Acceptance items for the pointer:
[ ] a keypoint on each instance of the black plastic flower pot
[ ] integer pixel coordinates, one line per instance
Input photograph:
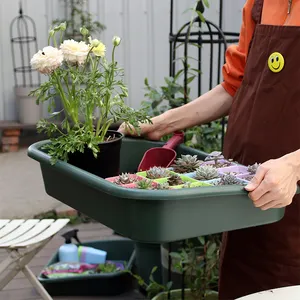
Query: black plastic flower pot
(107, 163)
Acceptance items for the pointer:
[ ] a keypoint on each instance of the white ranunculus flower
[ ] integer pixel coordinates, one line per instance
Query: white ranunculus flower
(74, 52)
(47, 60)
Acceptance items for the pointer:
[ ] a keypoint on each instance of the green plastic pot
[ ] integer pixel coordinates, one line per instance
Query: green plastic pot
(151, 216)
(176, 295)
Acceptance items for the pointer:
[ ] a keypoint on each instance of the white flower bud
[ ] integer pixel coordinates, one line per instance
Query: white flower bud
(116, 40)
(94, 43)
(63, 26)
(84, 31)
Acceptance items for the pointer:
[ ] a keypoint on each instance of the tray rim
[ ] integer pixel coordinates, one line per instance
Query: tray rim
(112, 189)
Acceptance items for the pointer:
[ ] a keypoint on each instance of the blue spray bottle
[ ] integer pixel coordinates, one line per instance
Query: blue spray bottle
(69, 252)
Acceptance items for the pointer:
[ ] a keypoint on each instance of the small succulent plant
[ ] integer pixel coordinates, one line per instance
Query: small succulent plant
(215, 155)
(186, 164)
(124, 178)
(206, 172)
(229, 179)
(157, 172)
(175, 179)
(162, 186)
(253, 168)
(144, 184)
(187, 185)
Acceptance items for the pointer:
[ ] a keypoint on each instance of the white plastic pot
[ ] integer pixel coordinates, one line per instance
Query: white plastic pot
(28, 111)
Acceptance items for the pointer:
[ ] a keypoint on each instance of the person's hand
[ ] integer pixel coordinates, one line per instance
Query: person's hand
(275, 183)
(150, 131)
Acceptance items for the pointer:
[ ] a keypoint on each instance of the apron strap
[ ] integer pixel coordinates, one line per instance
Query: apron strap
(256, 16)
(257, 11)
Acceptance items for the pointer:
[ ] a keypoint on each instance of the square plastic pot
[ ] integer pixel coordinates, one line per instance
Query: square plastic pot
(193, 185)
(133, 176)
(183, 177)
(221, 161)
(193, 176)
(245, 177)
(238, 169)
(144, 175)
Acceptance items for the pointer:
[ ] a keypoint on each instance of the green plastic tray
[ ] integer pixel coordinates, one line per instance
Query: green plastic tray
(95, 284)
(151, 216)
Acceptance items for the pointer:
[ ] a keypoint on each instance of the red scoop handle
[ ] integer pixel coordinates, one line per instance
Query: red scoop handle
(175, 140)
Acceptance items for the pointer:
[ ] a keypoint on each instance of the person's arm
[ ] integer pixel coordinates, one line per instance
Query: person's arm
(210, 106)
(217, 102)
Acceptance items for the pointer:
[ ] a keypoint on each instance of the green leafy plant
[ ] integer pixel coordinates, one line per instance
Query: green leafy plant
(152, 288)
(173, 94)
(100, 87)
(78, 18)
(107, 268)
(199, 263)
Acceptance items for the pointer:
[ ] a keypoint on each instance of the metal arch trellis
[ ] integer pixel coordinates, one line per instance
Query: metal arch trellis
(214, 36)
(26, 35)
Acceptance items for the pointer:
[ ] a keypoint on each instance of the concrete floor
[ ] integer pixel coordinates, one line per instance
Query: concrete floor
(22, 192)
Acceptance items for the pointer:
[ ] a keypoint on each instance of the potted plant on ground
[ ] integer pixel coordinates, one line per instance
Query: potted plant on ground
(84, 139)
(198, 262)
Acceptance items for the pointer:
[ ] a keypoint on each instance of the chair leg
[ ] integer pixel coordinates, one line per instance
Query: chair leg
(32, 278)
(18, 261)
(10, 260)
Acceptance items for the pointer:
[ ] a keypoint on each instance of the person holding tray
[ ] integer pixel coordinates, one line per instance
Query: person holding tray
(261, 94)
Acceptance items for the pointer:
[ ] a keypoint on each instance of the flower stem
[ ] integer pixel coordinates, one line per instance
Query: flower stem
(65, 101)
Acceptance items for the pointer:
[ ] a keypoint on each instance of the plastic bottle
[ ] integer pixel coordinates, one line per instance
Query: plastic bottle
(91, 255)
(69, 252)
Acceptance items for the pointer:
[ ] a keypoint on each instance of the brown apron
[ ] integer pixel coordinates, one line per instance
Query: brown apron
(263, 124)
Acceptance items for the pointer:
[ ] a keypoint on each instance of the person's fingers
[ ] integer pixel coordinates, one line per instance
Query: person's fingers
(257, 179)
(271, 204)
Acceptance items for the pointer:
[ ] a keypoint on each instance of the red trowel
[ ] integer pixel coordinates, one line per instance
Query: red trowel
(161, 157)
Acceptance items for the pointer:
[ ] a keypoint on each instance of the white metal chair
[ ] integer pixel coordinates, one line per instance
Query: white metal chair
(23, 239)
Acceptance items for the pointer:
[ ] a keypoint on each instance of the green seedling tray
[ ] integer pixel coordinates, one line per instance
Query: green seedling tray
(153, 216)
(95, 284)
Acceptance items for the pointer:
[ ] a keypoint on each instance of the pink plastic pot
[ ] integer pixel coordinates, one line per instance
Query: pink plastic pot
(134, 185)
(133, 176)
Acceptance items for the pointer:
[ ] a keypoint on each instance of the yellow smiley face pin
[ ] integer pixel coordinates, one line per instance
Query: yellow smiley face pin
(276, 62)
